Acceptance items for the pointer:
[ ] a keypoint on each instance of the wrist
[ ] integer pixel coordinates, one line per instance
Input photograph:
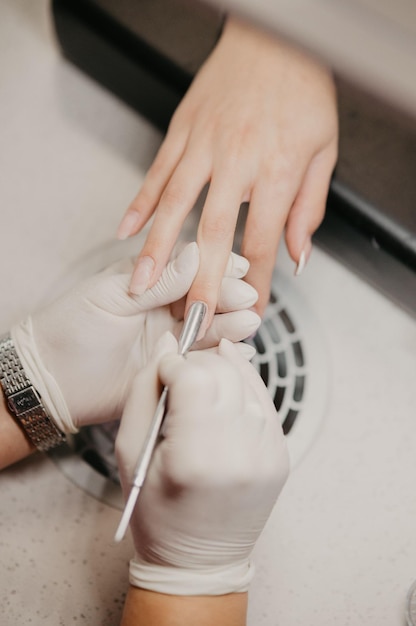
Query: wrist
(146, 608)
(14, 443)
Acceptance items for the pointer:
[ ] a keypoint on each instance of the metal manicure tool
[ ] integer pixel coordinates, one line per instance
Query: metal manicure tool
(187, 337)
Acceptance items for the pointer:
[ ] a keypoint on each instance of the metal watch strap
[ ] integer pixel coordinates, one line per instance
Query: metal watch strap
(24, 401)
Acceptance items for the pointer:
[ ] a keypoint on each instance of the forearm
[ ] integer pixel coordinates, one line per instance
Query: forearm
(147, 608)
(14, 444)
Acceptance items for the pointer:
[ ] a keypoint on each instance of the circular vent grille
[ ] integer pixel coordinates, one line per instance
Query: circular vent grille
(280, 362)
(292, 362)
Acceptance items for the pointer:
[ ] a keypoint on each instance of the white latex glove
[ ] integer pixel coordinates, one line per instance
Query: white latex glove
(82, 351)
(214, 477)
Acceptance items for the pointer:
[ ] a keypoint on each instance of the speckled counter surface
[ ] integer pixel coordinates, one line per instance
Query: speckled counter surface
(59, 565)
(340, 548)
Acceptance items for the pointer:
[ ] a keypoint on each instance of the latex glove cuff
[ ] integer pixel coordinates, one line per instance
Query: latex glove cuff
(46, 385)
(215, 581)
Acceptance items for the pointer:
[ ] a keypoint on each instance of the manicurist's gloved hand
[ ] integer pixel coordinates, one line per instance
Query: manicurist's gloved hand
(82, 351)
(214, 477)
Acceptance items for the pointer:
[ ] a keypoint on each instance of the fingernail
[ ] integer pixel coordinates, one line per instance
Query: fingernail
(142, 275)
(128, 225)
(303, 258)
(301, 264)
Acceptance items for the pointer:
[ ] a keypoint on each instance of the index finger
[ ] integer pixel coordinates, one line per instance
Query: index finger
(215, 240)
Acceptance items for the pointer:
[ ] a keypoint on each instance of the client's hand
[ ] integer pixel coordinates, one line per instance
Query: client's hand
(214, 477)
(82, 351)
(259, 123)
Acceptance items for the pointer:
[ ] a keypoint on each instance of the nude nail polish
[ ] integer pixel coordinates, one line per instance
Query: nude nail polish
(142, 275)
(301, 263)
(303, 258)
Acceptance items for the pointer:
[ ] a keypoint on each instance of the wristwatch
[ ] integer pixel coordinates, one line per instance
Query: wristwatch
(24, 402)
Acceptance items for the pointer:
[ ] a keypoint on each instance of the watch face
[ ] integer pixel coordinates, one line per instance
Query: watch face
(23, 401)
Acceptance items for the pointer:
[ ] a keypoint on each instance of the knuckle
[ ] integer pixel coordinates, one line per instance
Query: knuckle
(258, 251)
(205, 287)
(215, 229)
(235, 153)
(188, 469)
(173, 198)
(145, 199)
(280, 167)
(176, 473)
(236, 145)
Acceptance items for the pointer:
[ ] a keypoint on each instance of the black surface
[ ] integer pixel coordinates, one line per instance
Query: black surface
(129, 48)
(118, 59)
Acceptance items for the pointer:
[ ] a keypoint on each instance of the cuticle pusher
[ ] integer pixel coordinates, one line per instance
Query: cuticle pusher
(189, 333)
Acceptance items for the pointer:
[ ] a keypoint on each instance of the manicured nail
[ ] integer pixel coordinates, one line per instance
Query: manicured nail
(303, 258)
(301, 263)
(128, 225)
(142, 275)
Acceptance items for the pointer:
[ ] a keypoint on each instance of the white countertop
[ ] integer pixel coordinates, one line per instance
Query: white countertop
(340, 548)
